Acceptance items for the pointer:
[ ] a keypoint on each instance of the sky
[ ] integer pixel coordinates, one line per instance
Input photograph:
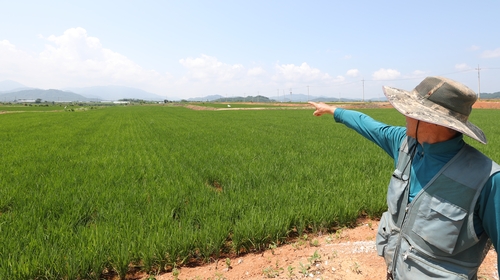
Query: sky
(185, 49)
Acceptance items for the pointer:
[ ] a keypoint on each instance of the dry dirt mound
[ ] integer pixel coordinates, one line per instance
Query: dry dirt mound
(487, 104)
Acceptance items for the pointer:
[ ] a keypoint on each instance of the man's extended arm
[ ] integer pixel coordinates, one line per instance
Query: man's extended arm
(385, 136)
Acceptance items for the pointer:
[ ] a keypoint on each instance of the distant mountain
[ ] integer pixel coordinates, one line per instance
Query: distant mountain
(258, 99)
(90, 93)
(490, 95)
(206, 98)
(281, 98)
(45, 95)
(305, 98)
(10, 90)
(116, 93)
(9, 85)
(293, 98)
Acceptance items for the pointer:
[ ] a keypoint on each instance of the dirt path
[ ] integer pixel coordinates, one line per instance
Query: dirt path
(347, 254)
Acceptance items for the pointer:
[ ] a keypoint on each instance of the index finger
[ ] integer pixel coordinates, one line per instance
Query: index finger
(313, 103)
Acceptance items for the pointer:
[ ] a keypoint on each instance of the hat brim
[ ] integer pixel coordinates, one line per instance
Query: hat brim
(407, 104)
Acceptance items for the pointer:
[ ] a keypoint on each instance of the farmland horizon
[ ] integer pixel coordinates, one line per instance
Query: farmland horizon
(12, 90)
(87, 190)
(99, 188)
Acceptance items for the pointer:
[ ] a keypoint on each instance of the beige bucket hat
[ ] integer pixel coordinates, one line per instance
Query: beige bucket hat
(439, 101)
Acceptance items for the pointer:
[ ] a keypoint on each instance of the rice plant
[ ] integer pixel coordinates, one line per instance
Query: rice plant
(91, 192)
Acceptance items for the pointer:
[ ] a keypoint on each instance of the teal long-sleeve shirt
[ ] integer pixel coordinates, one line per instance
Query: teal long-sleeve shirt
(428, 160)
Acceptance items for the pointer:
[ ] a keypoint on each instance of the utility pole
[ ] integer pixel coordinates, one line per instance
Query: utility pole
(478, 82)
(290, 94)
(363, 89)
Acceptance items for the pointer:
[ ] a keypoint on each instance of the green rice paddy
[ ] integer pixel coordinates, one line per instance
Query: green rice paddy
(88, 191)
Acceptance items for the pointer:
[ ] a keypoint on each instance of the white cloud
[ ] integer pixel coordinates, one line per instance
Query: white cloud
(352, 73)
(491, 53)
(207, 68)
(256, 71)
(347, 56)
(462, 66)
(17, 65)
(7, 45)
(302, 73)
(76, 59)
(339, 79)
(77, 55)
(75, 45)
(386, 74)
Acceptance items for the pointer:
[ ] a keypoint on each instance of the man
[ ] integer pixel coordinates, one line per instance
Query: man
(443, 198)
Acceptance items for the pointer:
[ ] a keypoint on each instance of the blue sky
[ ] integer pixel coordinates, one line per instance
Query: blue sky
(182, 49)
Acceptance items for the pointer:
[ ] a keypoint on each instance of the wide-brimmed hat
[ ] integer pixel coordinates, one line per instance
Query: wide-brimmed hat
(439, 101)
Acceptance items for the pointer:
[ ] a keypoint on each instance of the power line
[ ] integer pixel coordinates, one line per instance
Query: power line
(335, 85)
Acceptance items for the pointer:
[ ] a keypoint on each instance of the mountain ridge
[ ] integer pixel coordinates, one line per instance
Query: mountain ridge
(50, 95)
(12, 90)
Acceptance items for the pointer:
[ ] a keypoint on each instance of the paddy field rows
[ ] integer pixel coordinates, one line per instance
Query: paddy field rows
(107, 190)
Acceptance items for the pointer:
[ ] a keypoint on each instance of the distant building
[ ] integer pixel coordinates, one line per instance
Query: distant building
(115, 102)
(25, 100)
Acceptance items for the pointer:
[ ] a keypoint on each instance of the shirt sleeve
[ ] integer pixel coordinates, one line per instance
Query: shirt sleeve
(489, 210)
(385, 136)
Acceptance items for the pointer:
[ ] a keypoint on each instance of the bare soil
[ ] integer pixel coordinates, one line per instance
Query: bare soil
(348, 253)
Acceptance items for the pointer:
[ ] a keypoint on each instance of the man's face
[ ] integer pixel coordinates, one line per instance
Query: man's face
(428, 132)
(411, 127)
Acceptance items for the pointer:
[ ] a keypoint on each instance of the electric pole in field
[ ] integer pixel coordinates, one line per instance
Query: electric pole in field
(363, 89)
(478, 82)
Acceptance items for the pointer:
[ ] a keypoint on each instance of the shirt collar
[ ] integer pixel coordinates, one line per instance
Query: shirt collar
(451, 146)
